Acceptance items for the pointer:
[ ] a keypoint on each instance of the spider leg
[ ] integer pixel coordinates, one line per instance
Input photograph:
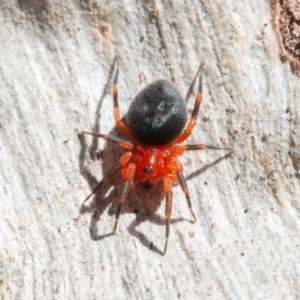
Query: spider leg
(128, 174)
(181, 149)
(122, 143)
(105, 179)
(121, 125)
(186, 133)
(185, 189)
(167, 189)
(168, 216)
(121, 201)
(125, 158)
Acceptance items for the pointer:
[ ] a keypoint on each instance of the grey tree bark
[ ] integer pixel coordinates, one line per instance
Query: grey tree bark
(56, 68)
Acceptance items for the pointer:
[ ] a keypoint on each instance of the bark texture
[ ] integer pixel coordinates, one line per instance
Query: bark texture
(56, 67)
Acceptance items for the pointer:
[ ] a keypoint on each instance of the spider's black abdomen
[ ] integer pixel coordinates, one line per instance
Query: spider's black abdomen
(158, 114)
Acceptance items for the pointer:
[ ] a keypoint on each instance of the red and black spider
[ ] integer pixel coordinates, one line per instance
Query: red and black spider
(155, 125)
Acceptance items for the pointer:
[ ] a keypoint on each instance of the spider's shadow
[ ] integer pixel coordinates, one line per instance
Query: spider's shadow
(142, 201)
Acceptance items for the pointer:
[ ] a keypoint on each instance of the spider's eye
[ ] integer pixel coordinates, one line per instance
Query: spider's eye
(147, 169)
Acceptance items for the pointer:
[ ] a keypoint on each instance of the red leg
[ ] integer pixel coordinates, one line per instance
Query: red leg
(180, 149)
(121, 201)
(177, 167)
(185, 189)
(122, 143)
(186, 133)
(123, 127)
(125, 158)
(167, 189)
(128, 174)
(105, 179)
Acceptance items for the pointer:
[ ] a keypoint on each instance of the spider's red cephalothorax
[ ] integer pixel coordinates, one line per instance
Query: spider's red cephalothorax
(156, 124)
(153, 163)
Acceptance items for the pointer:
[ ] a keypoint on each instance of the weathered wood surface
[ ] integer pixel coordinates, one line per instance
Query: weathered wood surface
(55, 72)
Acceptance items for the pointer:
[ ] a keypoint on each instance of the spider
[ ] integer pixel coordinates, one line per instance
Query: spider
(156, 125)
